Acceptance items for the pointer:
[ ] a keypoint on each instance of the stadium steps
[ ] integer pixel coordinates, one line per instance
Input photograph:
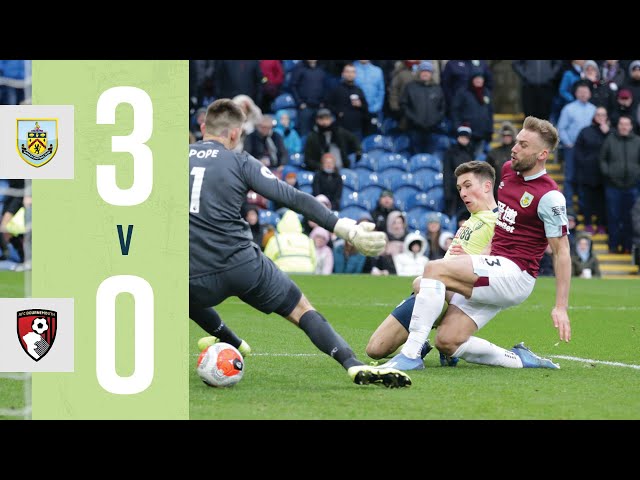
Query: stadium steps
(612, 265)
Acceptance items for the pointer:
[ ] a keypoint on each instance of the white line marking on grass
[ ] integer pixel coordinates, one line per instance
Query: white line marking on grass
(279, 355)
(603, 362)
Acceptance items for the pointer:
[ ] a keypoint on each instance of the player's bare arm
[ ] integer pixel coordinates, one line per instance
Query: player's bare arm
(562, 268)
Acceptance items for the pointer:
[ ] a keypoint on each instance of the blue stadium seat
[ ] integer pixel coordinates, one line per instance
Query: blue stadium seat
(401, 143)
(307, 189)
(296, 159)
(392, 160)
(368, 197)
(267, 217)
(305, 177)
(425, 160)
(417, 218)
(396, 181)
(427, 178)
(380, 142)
(283, 101)
(355, 212)
(435, 199)
(439, 143)
(367, 161)
(390, 175)
(349, 198)
(403, 195)
(349, 178)
(367, 179)
(481, 157)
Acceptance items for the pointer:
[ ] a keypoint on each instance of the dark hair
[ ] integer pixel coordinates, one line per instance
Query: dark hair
(481, 169)
(222, 115)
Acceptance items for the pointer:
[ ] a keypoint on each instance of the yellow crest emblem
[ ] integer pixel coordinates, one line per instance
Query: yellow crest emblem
(526, 200)
(37, 140)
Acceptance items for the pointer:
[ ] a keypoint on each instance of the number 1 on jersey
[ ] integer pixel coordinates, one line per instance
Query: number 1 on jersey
(198, 173)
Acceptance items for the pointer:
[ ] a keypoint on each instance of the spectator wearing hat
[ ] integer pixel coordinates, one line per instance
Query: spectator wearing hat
(473, 106)
(538, 85)
(612, 75)
(349, 104)
(498, 156)
(633, 82)
(327, 181)
(383, 208)
(601, 95)
(370, 79)
(308, 90)
(286, 128)
(412, 260)
(574, 117)
(456, 76)
(456, 155)
(324, 253)
(584, 263)
(327, 137)
(423, 107)
(620, 167)
(588, 175)
(622, 106)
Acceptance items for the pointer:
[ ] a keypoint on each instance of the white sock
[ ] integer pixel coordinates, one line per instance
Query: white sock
(478, 350)
(429, 303)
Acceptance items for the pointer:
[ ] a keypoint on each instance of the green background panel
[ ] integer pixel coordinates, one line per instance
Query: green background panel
(76, 246)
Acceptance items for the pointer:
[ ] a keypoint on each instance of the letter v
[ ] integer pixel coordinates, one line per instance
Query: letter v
(125, 244)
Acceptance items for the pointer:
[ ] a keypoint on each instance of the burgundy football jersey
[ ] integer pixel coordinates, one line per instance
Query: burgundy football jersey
(530, 210)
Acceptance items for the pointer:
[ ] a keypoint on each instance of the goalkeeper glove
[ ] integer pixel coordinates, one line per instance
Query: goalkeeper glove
(362, 236)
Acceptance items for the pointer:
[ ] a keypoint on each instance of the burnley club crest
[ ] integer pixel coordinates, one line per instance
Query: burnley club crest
(37, 140)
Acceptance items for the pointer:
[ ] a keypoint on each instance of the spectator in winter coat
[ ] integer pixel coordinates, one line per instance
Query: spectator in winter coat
(267, 145)
(324, 253)
(412, 260)
(348, 103)
(457, 73)
(286, 128)
(538, 85)
(423, 106)
(327, 137)
(346, 259)
(327, 181)
(584, 263)
(473, 107)
(402, 75)
(273, 76)
(238, 77)
(253, 114)
(309, 91)
(456, 155)
(383, 208)
(371, 80)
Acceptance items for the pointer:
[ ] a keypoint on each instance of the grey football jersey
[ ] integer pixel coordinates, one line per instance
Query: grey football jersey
(219, 179)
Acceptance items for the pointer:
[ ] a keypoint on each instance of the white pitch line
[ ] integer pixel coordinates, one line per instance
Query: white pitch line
(603, 362)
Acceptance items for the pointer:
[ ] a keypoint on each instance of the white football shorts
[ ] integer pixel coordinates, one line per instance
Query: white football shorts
(501, 284)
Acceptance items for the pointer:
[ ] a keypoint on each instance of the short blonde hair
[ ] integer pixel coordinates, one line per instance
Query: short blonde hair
(545, 129)
(222, 115)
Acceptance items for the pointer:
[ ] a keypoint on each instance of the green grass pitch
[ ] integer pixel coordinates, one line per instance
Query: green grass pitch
(11, 391)
(287, 378)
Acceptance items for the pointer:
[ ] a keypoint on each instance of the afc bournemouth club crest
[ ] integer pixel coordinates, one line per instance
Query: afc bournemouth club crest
(37, 331)
(526, 200)
(37, 140)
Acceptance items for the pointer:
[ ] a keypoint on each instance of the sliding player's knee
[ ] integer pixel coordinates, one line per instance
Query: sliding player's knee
(434, 270)
(376, 348)
(448, 340)
(416, 285)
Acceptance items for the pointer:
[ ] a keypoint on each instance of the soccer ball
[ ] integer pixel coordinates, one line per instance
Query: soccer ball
(220, 365)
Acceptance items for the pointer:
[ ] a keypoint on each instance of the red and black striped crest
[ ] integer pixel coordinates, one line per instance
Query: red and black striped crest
(37, 331)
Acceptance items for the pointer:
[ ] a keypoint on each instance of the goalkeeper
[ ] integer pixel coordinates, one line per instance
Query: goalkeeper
(224, 262)
(475, 181)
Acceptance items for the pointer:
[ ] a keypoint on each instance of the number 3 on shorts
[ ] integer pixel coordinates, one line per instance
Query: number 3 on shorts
(492, 261)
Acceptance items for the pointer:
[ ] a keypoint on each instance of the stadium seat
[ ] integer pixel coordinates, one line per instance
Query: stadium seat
(439, 143)
(367, 161)
(401, 143)
(403, 195)
(306, 189)
(392, 160)
(481, 157)
(390, 175)
(417, 218)
(296, 159)
(349, 198)
(267, 217)
(367, 178)
(425, 160)
(349, 178)
(435, 199)
(380, 142)
(368, 197)
(426, 179)
(355, 212)
(283, 101)
(396, 181)
(305, 178)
